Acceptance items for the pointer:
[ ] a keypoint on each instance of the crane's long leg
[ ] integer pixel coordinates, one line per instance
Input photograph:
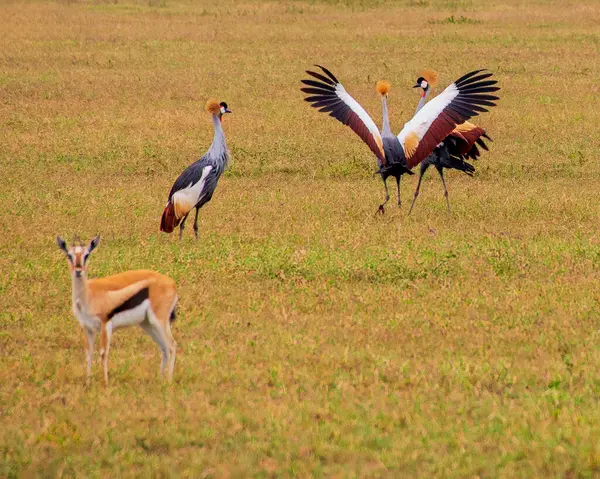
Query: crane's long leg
(381, 208)
(441, 172)
(196, 223)
(181, 225)
(416, 193)
(398, 189)
(424, 165)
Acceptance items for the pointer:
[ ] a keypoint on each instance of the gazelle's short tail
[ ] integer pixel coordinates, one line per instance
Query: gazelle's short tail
(169, 221)
(172, 316)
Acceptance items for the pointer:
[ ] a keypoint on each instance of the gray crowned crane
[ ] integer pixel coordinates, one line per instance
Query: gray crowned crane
(196, 185)
(459, 146)
(397, 155)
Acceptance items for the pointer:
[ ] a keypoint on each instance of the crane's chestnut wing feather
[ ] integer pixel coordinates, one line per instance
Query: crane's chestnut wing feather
(463, 139)
(330, 96)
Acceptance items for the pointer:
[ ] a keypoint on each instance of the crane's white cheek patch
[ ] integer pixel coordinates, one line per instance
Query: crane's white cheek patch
(184, 200)
(131, 317)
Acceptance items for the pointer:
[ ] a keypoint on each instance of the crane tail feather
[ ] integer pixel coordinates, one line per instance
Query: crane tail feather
(169, 220)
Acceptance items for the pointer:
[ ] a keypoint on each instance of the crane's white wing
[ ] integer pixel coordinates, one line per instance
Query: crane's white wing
(329, 95)
(463, 99)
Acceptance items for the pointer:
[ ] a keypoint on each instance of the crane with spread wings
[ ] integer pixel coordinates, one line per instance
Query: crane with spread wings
(397, 155)
(455, 151)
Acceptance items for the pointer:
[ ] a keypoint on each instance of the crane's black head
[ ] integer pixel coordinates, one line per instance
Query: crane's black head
(217, 109)
(224, 108)
(427, 79)
(422, 83)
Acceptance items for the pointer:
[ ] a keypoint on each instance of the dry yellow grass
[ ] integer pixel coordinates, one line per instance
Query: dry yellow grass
(315, 338)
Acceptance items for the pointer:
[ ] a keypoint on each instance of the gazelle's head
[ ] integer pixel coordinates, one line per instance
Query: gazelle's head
(217, 109)
(428, 79)
(77, 254)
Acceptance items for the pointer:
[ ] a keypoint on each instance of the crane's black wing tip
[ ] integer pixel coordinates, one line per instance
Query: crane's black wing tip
(317, 84)
(328, 73)
(471, 77)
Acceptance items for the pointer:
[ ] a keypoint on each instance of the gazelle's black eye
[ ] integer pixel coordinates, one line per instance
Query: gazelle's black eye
(71, 258)
(85, 257)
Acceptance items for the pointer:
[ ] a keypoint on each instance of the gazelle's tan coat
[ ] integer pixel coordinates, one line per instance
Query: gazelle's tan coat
(142, 297)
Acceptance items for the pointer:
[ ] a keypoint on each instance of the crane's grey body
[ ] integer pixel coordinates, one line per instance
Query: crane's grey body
(394, 157)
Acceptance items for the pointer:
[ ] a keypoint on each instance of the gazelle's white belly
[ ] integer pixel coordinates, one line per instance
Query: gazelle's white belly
(132, 316)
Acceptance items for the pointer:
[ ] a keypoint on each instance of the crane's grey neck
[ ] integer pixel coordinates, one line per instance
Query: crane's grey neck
(422, 101)
(218, 149)
(385, 130)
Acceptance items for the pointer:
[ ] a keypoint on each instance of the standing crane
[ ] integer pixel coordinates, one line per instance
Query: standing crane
(397, 155)
(458, 147)
(196, 185)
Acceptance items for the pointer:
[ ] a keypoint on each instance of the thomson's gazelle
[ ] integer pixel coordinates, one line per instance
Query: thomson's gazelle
(145, 298)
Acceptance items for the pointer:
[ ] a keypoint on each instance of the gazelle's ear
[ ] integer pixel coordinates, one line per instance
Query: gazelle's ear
(61, 244)
(93, 243)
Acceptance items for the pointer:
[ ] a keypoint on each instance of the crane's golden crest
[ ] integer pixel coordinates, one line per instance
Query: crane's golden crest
(431, 76)
(383, 87)
(212, 106)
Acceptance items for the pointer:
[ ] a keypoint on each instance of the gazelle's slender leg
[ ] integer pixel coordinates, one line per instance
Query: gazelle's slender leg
(88, 341)
(105, 335)
(164, 347)
(172, 351)
(154, 330)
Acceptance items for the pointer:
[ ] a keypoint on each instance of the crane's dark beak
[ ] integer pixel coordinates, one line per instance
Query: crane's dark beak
(227, 110)
(417, 86)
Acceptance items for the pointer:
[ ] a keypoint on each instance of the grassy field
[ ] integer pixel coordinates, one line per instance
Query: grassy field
(315, 339)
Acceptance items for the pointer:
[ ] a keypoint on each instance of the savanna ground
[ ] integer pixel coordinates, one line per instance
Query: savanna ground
(314, 337)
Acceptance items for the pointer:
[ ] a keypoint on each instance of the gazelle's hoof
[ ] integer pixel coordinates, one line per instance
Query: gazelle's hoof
(380, 210)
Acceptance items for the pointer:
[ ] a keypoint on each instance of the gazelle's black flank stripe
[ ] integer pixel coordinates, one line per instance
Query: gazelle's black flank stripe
(137, 299)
